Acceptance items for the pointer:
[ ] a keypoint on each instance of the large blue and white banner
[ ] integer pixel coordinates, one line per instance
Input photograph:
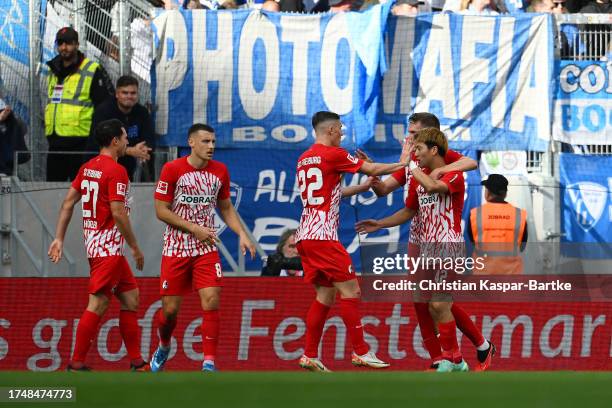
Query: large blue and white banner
(583, 106)
(258, 77)
(266, 195)
(586, 183)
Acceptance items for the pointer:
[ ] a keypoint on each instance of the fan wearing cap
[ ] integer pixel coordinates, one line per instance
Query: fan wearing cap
(498, 230)
(76, 86)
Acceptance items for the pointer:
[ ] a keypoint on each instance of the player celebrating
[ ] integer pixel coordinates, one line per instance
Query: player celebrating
(453, 162)
(187, 193)
(439, 203)
(326, 263)
(103, 186)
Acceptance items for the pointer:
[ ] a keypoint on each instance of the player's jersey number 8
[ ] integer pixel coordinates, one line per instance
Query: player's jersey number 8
(304, 180)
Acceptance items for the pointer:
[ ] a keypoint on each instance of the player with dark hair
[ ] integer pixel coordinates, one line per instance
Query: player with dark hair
(439, 203)
(104, 188)
(326, 263)
(188, 190)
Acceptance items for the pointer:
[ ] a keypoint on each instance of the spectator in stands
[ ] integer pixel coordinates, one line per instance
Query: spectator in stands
(136, 121)
(271, 5)
(334, 6)
(286, 260)
(478, 8)
(12, 138)
(406, 7)
(76, 86)
(598, 36)
(570, 40)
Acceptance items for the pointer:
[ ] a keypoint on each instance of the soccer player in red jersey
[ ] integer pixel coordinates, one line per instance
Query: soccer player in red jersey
(326, 263)
(453, 162)
(103, 187)
(187, 193)
(439, 203)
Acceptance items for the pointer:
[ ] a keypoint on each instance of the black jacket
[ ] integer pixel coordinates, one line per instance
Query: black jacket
(277, 262)
(12, 138)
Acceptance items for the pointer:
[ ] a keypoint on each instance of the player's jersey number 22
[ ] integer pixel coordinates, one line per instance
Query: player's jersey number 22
(310, 181)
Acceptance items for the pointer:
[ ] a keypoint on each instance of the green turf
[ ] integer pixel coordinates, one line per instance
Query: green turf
(298, 389)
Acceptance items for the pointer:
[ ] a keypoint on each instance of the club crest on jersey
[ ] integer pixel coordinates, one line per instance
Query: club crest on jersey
(165, 284)
(121, 188)
(235, 197)
(162, 187)
(196, 199)
(352, 158)
(589, 201)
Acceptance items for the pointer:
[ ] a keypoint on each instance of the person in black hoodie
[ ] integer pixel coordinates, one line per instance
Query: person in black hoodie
(12, 139)
(286, 260)
(76, 86)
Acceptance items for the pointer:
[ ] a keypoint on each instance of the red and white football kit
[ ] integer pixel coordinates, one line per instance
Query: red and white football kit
(188, 263)
(319, 172)
(100, 181)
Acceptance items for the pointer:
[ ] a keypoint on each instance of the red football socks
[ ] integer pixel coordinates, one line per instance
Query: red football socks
(86, 331)
(315, 321)
(128, 326)
(467, 326)
(448, 341)
(165, 328)
(349, 309)
(428, 333)
(210, 333)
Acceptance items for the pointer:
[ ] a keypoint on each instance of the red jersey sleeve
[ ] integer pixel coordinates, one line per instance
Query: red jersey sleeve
(400, 176)
(224, 192)
(344, 162)
(454, 181)
(118, 184)
(452, 156)
(166, 184)
(412, 199)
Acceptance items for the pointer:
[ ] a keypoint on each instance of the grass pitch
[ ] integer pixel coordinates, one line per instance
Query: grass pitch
(302, 389)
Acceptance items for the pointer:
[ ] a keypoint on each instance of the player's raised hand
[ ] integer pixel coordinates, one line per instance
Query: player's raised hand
(141, 151)
(138, 258)
(246, 243)
(373, 181)
(366, 226)
(407, 149)
(363, 156)
(55, 250)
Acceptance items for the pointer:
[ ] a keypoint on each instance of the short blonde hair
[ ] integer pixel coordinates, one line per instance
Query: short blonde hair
(432, 137)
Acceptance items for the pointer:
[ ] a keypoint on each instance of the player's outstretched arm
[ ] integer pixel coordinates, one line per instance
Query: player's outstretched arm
(230, 217)
(163, 210)
(379, 169)
(463, 164)
(55, 249)
(429, 184)
(398, 218)
(350, 191)
(122, 221)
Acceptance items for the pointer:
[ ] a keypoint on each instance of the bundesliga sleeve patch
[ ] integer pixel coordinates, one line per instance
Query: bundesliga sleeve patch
(162, 187)
(352, 158)
(121, 188)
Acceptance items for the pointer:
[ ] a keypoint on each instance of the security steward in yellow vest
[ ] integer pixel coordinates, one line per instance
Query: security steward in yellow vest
(76, 86)
(498, 230)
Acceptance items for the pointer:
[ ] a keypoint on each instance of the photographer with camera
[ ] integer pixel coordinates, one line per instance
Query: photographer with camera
(286, 260)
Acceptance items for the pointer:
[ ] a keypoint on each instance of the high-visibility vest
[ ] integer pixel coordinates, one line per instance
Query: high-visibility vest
(498, 230)
(72, 115)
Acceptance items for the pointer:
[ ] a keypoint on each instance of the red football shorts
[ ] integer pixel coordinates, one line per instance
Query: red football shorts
(325, 262)
(110, 275)
(179, 276)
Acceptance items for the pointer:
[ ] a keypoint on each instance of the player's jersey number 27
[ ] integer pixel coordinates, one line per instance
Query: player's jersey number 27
(310, 181)
(89, 200)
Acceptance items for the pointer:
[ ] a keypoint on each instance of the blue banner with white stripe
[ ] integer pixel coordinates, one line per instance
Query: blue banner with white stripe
(258, 77)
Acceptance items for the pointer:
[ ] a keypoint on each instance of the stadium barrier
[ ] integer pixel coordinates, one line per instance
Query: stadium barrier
(262, 328)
